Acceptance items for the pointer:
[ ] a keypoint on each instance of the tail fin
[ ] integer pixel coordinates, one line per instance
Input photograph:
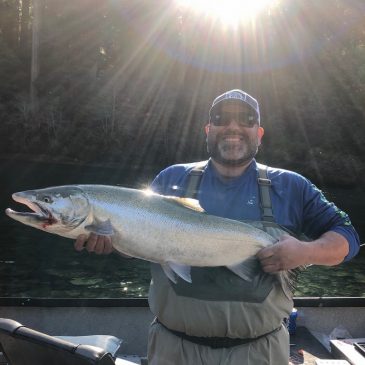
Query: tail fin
(289, 279)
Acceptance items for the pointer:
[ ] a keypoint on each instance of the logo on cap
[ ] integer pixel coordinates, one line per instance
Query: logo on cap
(238, 94)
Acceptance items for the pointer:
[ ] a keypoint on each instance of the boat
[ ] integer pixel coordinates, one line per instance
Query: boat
(318, 320)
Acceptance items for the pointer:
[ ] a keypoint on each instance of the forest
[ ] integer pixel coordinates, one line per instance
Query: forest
(130, 82)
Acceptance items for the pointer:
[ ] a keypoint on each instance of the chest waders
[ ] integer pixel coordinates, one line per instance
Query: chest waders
(219, 283)
(220, 310)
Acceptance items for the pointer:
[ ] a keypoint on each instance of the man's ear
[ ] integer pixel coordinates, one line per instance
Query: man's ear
(260, 134)
(207, 126)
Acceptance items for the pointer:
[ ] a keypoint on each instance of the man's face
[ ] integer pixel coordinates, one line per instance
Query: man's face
(233, 143)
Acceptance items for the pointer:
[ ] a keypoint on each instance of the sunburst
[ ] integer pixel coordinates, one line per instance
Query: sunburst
(229, 12)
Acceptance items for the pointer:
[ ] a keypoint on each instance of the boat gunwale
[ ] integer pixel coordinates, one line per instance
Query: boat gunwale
(143, 302)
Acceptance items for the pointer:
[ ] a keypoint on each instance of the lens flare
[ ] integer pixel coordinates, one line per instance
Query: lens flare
(229, 12)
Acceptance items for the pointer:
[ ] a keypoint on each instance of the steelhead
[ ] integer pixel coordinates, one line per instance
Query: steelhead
(174, 232)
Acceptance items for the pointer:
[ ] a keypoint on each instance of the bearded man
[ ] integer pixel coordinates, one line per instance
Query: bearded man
(220, 318)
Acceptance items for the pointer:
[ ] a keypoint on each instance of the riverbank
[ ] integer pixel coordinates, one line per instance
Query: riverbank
(64, 160)
(332, 173)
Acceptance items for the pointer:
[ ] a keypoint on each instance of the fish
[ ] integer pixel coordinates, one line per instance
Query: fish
(175, 232)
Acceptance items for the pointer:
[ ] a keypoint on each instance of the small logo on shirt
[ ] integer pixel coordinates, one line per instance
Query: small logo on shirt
(251, 201)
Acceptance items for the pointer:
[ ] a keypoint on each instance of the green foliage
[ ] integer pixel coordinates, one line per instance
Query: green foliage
(131, 82)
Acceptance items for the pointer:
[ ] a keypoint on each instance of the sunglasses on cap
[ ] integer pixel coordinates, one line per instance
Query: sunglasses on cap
(243, 118)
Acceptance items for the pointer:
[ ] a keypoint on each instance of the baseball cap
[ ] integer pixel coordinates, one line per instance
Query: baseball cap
(237, 94)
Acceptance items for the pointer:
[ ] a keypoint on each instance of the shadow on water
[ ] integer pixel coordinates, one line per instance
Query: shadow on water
(36, 264)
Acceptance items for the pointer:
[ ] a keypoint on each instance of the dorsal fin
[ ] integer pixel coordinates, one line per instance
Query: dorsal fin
(189, 203)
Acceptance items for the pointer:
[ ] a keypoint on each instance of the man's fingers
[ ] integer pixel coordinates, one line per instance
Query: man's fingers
(94, 243)
(91, 242)
(103, 245)
(270, 263)
(99, 245)
(108, 247)
(265, 253)
(80, 242)
(272, 268)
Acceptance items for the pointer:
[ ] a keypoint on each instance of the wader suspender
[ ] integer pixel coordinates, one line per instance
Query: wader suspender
(195, 176)
(264, 182)
(267, 215)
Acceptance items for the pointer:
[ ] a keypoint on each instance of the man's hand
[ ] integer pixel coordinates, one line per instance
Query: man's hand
(288, 253)
(101, 245)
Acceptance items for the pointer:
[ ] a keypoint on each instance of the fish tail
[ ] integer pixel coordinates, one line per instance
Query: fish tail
(289, 279)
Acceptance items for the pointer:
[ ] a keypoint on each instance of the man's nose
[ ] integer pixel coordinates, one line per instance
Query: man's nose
(233, 123)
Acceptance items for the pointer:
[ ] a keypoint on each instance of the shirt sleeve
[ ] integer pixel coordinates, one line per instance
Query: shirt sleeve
(320, 216)
(171, 181)
(164, 182)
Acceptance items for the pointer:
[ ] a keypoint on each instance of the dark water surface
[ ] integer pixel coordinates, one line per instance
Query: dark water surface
(37, 264)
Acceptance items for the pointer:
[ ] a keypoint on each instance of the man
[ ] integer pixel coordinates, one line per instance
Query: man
(220, 318)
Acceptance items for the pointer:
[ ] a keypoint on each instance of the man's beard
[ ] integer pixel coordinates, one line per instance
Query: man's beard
(217, 148)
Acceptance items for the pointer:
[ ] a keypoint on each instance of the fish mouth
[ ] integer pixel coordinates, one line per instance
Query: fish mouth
(39, 213)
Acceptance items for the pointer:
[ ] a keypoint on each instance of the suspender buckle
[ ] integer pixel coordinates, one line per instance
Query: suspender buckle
(196, 172)
(265, 182)
(269, 219)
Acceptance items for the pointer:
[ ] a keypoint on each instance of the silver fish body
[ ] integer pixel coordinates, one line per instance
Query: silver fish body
(174, 232)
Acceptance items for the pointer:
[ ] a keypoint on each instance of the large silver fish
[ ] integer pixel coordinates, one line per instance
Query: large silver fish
(174, 232)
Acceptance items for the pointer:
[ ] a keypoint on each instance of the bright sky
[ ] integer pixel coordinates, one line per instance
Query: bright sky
(229, 12)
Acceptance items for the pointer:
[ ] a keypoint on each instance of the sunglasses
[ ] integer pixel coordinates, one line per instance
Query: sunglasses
(243, 119)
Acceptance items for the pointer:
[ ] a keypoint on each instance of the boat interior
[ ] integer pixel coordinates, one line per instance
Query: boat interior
(59, 331)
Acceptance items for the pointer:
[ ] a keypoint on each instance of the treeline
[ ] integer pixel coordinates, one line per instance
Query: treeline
(131, 81)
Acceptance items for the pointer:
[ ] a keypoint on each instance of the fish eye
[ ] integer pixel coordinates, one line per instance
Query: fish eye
(47, 199)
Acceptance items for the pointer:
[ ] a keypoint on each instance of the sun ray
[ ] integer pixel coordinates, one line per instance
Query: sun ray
(229, 12)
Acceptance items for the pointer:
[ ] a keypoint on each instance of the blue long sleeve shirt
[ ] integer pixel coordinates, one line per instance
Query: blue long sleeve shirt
(297, 204)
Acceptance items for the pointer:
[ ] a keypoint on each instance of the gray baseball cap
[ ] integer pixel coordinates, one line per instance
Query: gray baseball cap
(237, 94)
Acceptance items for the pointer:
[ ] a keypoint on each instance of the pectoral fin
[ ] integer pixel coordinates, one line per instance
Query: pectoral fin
(101, 228)
(172, 268)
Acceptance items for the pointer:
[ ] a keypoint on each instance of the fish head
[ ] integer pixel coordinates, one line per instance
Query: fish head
(56, 209)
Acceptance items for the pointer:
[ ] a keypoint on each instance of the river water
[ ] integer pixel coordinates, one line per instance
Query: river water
(37, 264)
